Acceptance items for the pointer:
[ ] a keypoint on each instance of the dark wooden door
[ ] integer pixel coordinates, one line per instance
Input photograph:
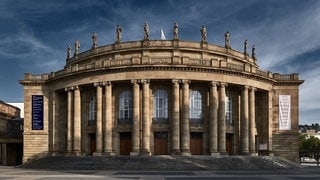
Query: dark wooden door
(196, 143)
(93, 141)
(229, 140)
(160, 143)
(125, 143)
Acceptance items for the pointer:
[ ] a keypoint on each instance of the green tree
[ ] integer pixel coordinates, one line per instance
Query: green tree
(308, 143)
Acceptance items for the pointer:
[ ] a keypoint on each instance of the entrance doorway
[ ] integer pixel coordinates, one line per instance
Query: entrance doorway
(229, 143)
(196, 145)
(92, 138)
(160, 143)
(125, 143)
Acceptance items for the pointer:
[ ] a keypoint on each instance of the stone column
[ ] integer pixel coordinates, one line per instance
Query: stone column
(245, 122)
(108, 119)
(69, 121)
(146, 118)
(136, 119)
(222, 119)
(77, 122)
(185, 132)
(252, 120)
(213, 119)
(175, 118)
(98, 120)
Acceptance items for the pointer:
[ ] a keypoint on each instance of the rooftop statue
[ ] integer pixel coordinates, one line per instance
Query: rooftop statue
(146, 31)
(76, 47)
(245, 47)
(227, 40)
(253, 55)
(175, 31)
(203, 31)
(69, 52)
(118, 30)
(94, 40)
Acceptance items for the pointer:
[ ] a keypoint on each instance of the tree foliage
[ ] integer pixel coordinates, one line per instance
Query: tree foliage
(308, 142)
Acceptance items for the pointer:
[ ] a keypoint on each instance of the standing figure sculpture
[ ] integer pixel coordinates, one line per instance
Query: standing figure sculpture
(245, 47)
(203, 31)
(253, 55)
(69, 52)
(227, 40)
(146, 31)
(118, 30)
(94, 40)
(175, 31)
(76, 47)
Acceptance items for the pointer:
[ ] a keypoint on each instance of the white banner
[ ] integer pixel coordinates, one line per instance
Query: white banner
(284, 112)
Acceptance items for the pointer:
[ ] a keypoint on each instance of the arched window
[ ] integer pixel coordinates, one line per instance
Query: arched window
(125, 107)
(228, 107)
(195, 107)
(160, 113)
(92, 110)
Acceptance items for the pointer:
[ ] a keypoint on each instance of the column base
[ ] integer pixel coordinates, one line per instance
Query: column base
(224, 153)
(245, 153)
(108, 153)
(97, 154)
(185, 152)
(175, 152)
(254, 154)
(145, 153)
(76, 153)
(134, 153)
(215, 154)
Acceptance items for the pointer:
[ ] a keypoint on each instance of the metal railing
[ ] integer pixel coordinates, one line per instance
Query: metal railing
(309, 157)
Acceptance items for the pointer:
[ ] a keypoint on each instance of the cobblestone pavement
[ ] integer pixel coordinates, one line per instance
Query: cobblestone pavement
(160, 168)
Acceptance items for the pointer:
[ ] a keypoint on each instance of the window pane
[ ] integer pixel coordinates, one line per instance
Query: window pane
(125, 107)
(195, 107)
(160, 114)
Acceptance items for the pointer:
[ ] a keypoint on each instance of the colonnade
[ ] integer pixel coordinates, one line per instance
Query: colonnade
(180, 126)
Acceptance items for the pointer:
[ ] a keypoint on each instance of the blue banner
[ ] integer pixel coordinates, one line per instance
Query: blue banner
(37, 112)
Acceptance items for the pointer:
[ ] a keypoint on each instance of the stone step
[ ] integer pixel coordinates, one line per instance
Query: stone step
(167, 163)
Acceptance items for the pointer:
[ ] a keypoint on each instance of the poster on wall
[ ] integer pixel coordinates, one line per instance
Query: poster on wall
(37, 112)
(284, 112)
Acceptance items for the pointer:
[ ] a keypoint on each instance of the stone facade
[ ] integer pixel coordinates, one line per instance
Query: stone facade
(161, 97)
(10, 135)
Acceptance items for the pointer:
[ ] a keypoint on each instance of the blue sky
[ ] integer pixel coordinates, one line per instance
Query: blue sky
(34, 34)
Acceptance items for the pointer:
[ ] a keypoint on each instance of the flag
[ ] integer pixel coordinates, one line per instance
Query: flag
(163, 37)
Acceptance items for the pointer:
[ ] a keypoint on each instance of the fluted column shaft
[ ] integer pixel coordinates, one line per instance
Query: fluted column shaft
(146, 119)
(108, 119)
(136, 118)
(222, 121)
(213, 118)
(69, 122)
(175, 118)
(99, 118)
(245, 122)
(252, 120)
(77, 121)
(185, 132)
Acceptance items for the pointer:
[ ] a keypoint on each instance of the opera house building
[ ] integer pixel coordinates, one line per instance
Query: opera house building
(161, 97)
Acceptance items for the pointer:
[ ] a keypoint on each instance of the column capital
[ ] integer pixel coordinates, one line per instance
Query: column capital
(134, 81)
(145, 81)
(213, 84)
(253, 88)
(185, 81)
(97, 84)
(222, 84)
(245, 87)
(106, 83)
(176, 81)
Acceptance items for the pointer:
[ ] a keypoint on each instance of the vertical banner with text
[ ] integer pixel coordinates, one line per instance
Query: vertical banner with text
(37, 112)
(284, 112)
